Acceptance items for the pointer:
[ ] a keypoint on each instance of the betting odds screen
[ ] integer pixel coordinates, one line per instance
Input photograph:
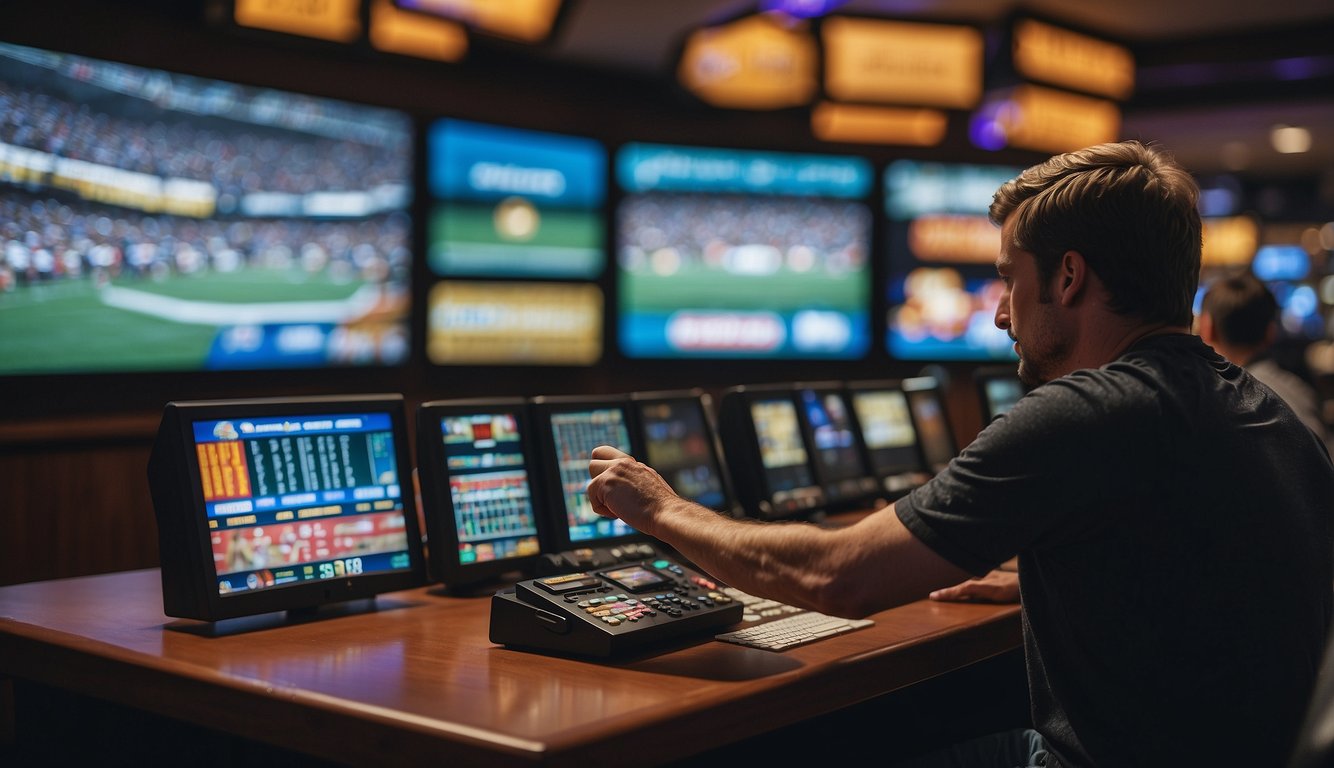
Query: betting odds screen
(835, 444)
(932, 428)
(1001, 394)
(575, 434)
(887, 430)
(781, 448)
(490, 487)
(677, 444)
(293, 499)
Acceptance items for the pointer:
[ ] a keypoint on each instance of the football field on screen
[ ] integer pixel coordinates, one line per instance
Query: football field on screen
(68, 326)
(465, 240)
(784, 291)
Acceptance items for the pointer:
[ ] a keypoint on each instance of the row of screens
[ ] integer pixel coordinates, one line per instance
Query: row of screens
(157, 221)
(264, 504)
(152, 221)
(829, 446)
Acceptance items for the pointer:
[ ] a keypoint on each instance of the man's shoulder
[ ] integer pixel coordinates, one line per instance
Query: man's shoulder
(1277, 378)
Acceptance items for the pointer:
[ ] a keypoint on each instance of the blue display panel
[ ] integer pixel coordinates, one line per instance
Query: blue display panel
(301, 498)
(943, 289)
(837, 454)
(153, 221)
(515, 203)
(489, 487)
(575, 434)
(742, 254)
(677, 445)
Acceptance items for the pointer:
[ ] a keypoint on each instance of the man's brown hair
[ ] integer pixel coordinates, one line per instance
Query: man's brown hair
(1129, 209)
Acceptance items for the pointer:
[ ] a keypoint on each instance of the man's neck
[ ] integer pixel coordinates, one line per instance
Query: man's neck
(1112, 341)
(1242, 356)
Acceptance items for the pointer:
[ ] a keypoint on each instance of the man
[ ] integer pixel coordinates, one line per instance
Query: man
(1171, 517)
(1238, 319)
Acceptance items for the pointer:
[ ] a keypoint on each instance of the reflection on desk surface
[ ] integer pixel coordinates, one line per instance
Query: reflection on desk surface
(422, 668)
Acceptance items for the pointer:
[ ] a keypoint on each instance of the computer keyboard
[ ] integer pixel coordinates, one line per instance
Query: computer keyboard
(792, 631)
(798, 627)
(758, 607)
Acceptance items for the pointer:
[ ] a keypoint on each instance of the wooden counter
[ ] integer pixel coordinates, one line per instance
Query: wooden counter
(413, 678)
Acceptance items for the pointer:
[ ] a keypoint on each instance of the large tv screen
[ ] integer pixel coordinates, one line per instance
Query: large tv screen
(943, 289)
(742, 254)
(153, 221)
(509, 202)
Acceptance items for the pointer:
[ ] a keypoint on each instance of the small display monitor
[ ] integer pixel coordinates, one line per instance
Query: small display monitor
(886, 426)
(836, 447)
(726, 253)
(999, 389)
(568, 429)
(155, 221)
(681, 444)
(479, 492)
(763, 441)
(926, 403)
(280, 504)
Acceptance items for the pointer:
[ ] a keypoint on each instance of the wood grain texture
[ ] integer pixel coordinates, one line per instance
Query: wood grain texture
(414, 678)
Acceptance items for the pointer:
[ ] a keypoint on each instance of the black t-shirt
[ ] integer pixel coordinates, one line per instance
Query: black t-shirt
(1174, 523)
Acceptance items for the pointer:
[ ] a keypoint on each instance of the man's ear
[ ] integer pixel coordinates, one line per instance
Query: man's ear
(1072, 277)
(1207, 331)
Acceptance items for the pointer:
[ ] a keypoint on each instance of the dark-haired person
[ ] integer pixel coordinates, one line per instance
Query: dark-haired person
(1171, 516)
(1238, 318)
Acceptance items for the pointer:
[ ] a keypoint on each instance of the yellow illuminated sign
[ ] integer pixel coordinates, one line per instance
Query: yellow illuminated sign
(1071, 60)
(959, 239)
(514, 323)
(414, 34)
(752, 63)
(877, 125)
(1033, 117)
(1229, 242)
(337, 20)
(899, 62)
(525, 20)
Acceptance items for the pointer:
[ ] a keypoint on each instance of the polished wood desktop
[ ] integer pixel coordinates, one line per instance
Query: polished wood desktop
(411, 677)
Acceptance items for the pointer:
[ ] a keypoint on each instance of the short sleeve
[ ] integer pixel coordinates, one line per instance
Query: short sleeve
(1046, 473)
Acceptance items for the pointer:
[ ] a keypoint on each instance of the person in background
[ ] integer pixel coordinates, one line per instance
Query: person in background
(1170, 514)
(1239, 319)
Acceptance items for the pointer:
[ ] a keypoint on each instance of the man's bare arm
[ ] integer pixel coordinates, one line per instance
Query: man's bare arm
(854, 571)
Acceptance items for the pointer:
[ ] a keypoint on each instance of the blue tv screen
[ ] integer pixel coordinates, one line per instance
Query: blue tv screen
(943, 289)
(508, 202)
(727, 253)
(154, 221)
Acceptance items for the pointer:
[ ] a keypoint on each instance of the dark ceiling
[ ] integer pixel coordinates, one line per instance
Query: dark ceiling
(1215, 118)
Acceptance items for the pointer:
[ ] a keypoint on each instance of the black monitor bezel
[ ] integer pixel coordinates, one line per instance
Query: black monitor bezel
(442, 539)
(984, 376)
(895, 483)
(866, 473)
(556, 531)
(700, 399)
(930, 385)
(744, 456)
(191, 558)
